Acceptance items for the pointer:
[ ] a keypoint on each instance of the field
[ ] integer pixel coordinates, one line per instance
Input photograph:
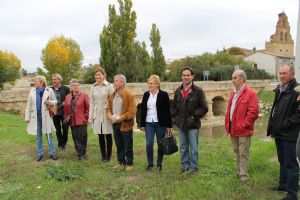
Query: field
(21, 177)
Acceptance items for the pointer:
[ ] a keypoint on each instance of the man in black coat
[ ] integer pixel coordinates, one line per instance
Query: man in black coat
(284, 126)
(188, 107)
(61, 92)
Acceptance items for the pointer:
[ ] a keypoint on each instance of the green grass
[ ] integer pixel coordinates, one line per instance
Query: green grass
(21, 177)
(266, 96)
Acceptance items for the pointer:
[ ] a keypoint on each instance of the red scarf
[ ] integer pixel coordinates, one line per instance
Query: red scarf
(185, 92)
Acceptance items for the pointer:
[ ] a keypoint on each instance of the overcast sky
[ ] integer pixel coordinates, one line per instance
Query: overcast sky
(188, 27)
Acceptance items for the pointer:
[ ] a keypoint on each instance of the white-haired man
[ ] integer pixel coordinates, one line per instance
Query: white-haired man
(242, 111)
(61, 92)
(121, 110)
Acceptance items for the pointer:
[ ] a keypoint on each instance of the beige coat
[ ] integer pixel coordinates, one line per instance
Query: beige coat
(31, 112)
(99, 96)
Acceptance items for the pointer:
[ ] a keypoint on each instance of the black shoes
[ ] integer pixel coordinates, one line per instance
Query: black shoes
(39, 158)
(279, 189)
(149, 168)
(53, 157)
(159, 167)
(82, 158)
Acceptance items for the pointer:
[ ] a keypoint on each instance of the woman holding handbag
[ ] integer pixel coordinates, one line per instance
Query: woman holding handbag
(38, 117)
(99, 95)
(76, 113)
(155, 118)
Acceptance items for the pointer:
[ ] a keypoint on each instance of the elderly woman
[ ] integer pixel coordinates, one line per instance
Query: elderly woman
(99, 95)
(155, 118)
(38, 117)
(76, 113)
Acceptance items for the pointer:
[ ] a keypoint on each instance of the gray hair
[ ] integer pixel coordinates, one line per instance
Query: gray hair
(74, 81)
(57, 76)
(292, 68)
(242, 74)
(42, 79)
(122, 77)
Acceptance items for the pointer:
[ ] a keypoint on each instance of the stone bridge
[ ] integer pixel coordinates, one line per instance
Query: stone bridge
(217, 93)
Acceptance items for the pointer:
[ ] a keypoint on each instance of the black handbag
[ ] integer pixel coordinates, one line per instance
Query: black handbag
(168, 144)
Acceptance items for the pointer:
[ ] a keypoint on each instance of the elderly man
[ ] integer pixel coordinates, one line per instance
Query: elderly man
(284, 126)
(61, 92)
(188, 107)
(242, 111)
(121, 110)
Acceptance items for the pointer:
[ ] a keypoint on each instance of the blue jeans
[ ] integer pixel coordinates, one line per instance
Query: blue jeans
(189, 148)
(151, 129)
(289, 168)
(39, 141)
(124, 144)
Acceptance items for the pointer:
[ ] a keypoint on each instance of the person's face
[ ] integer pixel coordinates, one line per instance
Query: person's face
(99, 77)
(187, 77)
(118, 83)
(56, 81)
(285, 74)
(75, 87)
(152, 85)
(38, 83)
(237, 81)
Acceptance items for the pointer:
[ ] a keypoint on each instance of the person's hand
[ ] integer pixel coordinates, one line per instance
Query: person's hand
(298, 98)
(49, 103)
(117, 117)
(62, 104)
(142, 129)
(168, 130)
(90, 121)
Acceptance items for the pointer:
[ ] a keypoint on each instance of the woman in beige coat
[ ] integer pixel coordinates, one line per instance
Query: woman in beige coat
(100, 92)
(37, 115)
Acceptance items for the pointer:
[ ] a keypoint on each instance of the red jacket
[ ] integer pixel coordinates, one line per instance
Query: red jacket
(81, 112)
(244, 114)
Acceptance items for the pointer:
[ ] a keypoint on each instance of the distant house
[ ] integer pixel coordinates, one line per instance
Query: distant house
(269, 62)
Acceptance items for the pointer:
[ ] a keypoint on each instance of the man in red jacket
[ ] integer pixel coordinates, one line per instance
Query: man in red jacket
(242, 111)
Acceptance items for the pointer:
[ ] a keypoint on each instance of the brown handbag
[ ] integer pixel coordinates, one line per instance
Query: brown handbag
(52, 109)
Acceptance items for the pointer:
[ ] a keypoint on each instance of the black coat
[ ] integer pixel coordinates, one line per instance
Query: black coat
(162, 106)
(284, 123)
(61, 94)
(188, 111)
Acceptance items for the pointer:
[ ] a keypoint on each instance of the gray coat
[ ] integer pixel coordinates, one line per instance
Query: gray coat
(99, 96)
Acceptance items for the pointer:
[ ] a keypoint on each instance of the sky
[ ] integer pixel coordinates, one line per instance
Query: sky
(187, 27)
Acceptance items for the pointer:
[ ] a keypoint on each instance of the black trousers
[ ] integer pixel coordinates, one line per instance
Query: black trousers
(79, 134)
(289, 167)
(105, 143)
(61, 130)
(124, 144)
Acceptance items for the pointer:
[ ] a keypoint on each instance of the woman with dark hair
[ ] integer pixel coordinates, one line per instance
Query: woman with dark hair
(99, 95)
(155, 118)
(76, 113)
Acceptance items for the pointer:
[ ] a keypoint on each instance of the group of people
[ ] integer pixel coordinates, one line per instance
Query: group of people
(111, 109)
(283, 126)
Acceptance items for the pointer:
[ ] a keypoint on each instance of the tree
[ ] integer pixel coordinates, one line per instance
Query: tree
(89, 73)
(120, 52)
(23, 72)
(221, 66)
(158, 62)
(236, 51)
(10, 66)
(62, 55)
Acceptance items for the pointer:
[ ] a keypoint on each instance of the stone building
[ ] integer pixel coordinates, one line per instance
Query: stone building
(279, 50)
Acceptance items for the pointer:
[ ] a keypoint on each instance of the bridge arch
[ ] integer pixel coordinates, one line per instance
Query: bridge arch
(219, 105)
